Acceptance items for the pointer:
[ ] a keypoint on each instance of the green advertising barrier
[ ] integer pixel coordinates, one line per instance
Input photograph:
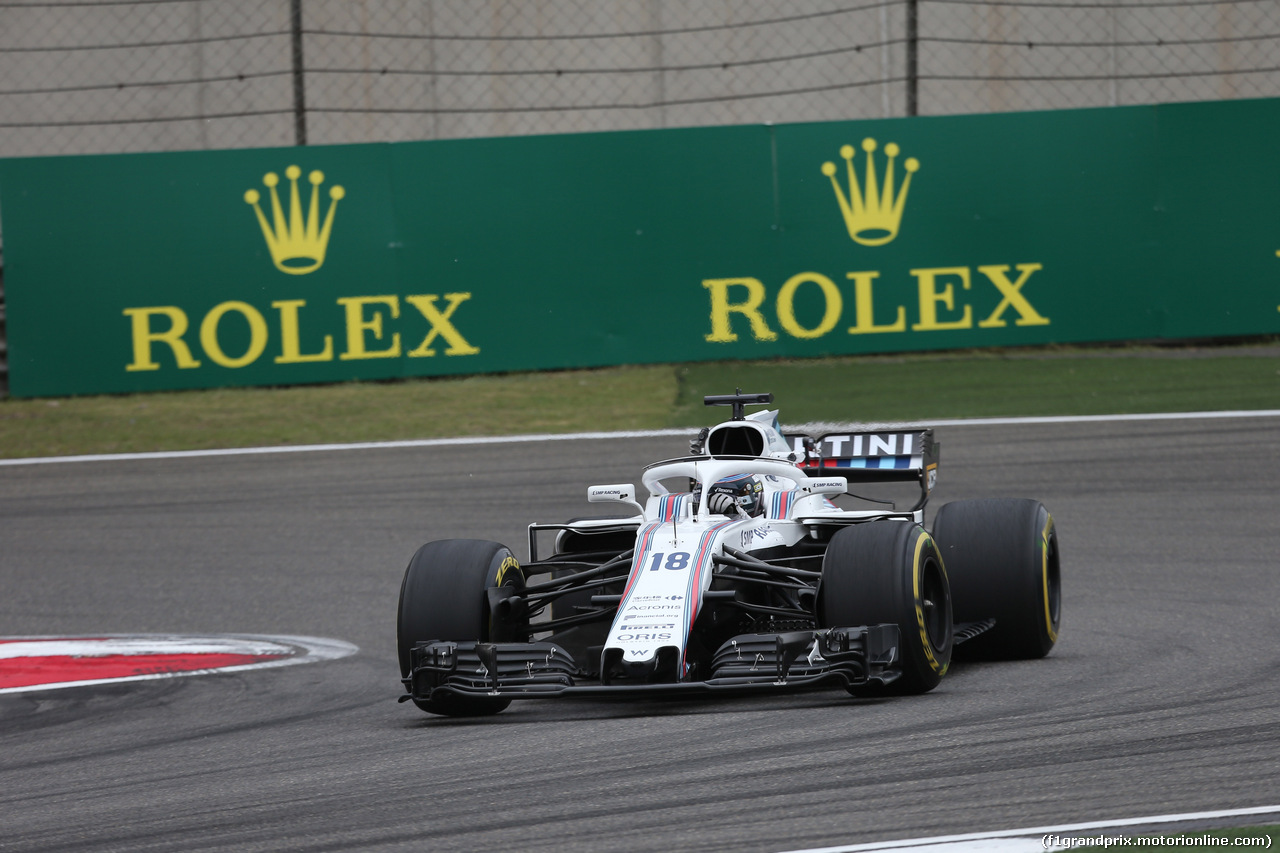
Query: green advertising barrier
(282, 266)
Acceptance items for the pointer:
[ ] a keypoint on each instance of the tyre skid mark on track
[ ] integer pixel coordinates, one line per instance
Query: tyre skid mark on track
(49, 663)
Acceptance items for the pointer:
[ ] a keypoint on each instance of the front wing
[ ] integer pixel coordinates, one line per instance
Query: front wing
(831, 657)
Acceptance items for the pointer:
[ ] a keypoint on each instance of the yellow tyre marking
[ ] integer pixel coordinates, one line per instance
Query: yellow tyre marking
(1044, 574)
(915, 585)
(508, 563)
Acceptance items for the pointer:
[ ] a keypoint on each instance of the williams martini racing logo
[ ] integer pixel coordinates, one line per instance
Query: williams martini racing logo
(298, 328)
(869, 195)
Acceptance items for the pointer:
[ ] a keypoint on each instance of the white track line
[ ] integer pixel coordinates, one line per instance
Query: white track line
(593, 436)
(360, 445)
(1032, 838)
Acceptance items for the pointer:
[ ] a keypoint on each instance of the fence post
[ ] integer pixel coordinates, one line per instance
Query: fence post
(913, 67)
(299, 88)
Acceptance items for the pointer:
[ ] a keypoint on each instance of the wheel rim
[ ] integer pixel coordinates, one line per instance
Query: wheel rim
(934, 605)
(509, 574)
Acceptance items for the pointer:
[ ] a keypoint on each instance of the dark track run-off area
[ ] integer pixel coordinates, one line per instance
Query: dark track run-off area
(1160, 698)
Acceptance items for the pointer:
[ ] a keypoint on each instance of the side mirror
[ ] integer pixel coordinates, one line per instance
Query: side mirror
(827, 486)
(623, 493)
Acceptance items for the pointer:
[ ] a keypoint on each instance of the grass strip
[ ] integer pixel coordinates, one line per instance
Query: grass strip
(1218, 840)
(569, 401)
(990, 385)
(867, 389)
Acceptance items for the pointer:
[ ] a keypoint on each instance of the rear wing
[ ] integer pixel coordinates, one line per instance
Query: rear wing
(871, 457)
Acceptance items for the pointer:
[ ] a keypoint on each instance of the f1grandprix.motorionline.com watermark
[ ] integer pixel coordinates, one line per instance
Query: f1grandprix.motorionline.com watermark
(1063, 842)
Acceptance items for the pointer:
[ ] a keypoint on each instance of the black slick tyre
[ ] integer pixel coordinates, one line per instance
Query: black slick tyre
(443, 597)
(890, 572)
(1003, 560)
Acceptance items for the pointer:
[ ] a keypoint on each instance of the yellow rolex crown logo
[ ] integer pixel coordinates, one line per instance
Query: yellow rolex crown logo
(872, 211)
(297, 245)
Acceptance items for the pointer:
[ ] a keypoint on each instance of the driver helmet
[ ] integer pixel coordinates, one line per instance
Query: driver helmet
(745, 490)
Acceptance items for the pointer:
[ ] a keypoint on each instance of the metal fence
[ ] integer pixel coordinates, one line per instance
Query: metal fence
(103, 76)
(153, 75)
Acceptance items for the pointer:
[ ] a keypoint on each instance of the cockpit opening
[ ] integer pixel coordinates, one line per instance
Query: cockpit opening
(735, 439)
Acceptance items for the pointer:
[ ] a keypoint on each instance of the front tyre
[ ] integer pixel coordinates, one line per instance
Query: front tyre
(890, 571)
(444, 597)
(1003, 561)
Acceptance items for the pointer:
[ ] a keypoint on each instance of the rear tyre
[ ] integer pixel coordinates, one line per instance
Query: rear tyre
(443, 597)
(890, 571)
(1002, 558)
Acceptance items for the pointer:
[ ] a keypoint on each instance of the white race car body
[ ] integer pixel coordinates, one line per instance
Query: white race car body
(738, 572)
(672, 567)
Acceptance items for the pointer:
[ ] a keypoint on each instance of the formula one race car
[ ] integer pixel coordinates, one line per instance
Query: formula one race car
(738, 573)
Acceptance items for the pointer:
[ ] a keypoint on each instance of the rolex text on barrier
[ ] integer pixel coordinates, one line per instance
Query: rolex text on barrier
(283, 266)
(369, 324)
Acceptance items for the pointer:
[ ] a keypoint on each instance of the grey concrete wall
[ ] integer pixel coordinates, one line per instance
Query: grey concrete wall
(219, 73)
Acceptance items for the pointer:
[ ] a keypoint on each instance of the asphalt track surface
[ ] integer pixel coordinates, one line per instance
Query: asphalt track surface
(1160, 698)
